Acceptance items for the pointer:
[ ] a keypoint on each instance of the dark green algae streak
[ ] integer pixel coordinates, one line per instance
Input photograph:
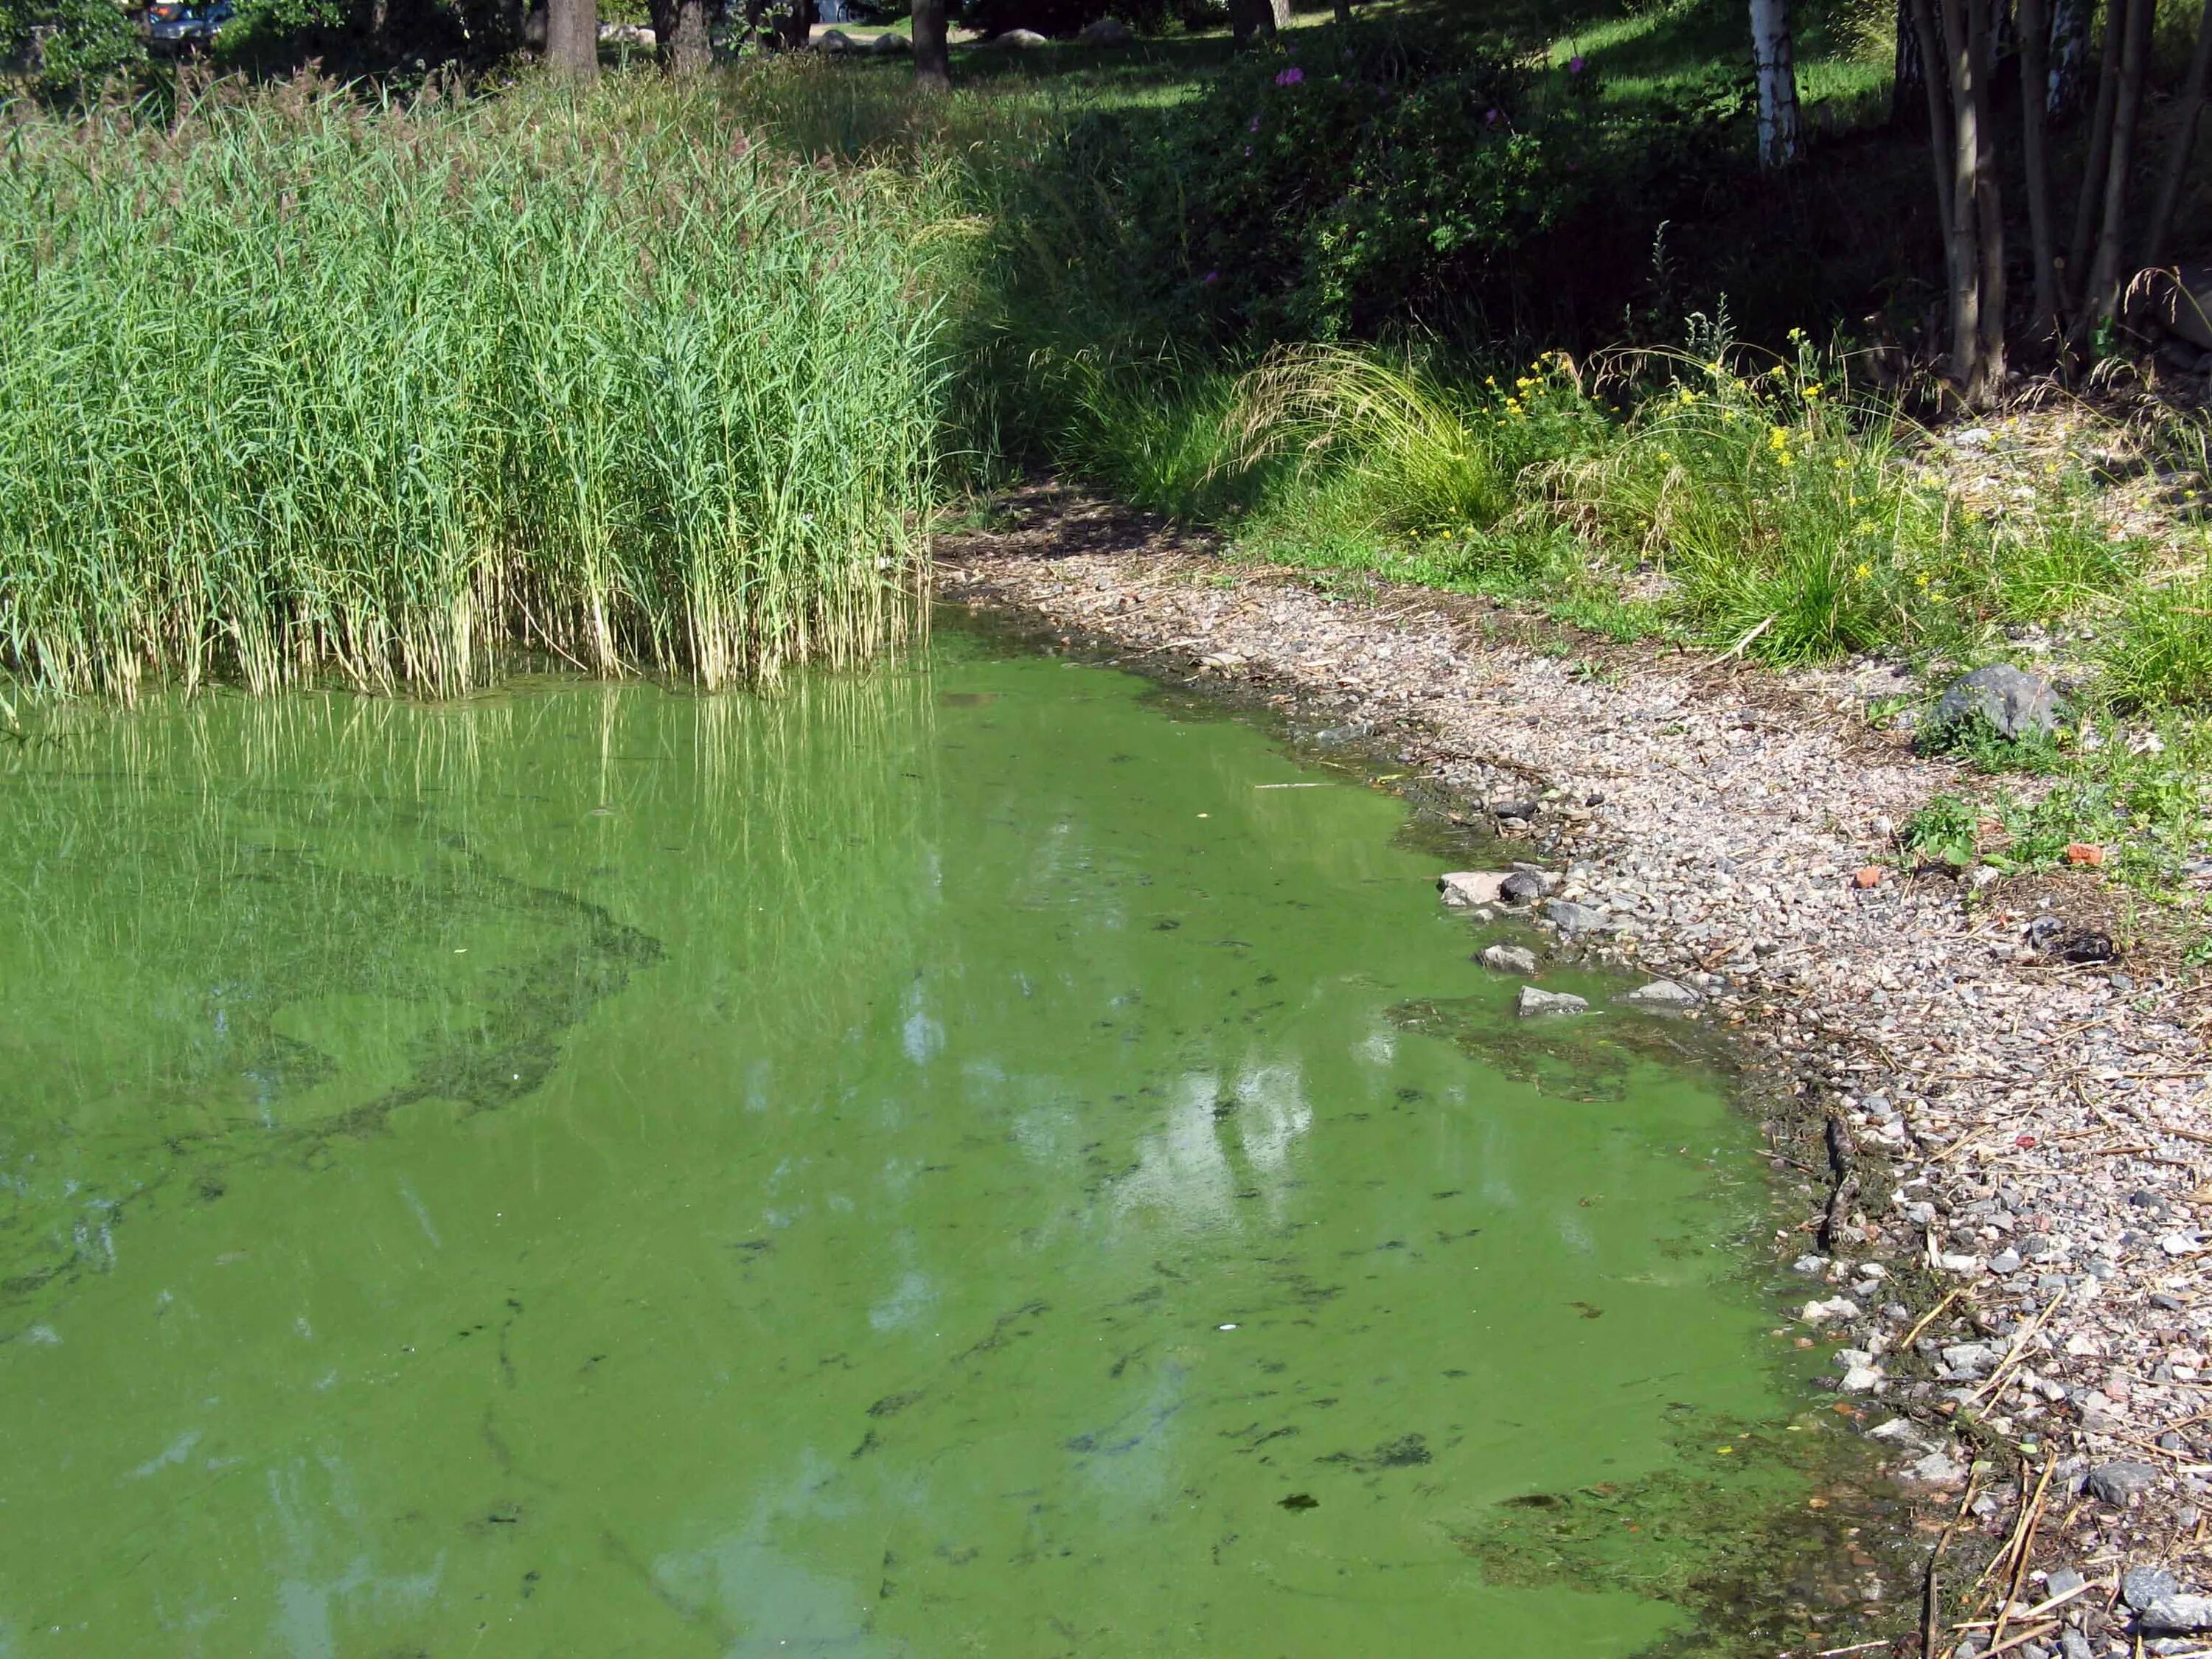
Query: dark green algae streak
(960, 1159)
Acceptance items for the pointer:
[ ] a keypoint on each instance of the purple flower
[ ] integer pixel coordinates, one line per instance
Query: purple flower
(1255, 127)
(1491, 119)
(1290, 76)
(1575, 65)
(1210, 279)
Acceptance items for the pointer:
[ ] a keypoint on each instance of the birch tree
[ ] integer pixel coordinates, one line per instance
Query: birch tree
(1775, 63)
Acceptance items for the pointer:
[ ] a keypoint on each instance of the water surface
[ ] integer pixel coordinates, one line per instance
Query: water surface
(964, 1160)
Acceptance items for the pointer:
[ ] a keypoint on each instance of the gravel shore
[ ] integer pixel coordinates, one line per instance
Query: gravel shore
(2006, 1154)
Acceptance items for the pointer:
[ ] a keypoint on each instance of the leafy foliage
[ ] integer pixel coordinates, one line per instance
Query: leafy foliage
(70, 47)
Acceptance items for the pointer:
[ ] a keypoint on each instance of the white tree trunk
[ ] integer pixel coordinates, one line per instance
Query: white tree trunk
(1775, 63)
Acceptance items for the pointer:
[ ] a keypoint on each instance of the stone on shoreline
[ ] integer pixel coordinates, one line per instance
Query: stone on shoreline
(1508, 959)
(1571, 918)
(2176, 1615)
(1463, 888)
(1534, 1001)
(1664, 996)
(1525, 887)
(2116, 1483)
(2141, 1586)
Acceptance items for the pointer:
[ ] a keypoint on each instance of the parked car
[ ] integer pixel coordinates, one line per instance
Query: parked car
(185, 25)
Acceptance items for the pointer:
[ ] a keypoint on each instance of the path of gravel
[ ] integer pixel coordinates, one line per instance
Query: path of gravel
(2032, 1137)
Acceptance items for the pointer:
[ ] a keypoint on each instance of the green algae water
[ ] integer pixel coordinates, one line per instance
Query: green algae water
(960, 1160)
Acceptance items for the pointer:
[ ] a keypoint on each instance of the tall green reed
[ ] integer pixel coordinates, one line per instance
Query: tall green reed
(298, 384)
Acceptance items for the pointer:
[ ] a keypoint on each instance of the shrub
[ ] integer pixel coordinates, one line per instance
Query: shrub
(67, 47)
(1315, 197)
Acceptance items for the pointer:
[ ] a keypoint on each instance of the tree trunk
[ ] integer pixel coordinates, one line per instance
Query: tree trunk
(2034, 76)
(2075, 275)
(1908, 81)
(2065, 77)
(795, 25)
(1776, 65)
(2192, 108)
(933, 56)
(1983, 42)
(571, 36)
(1935, 89)
(1344, 12)
(1256, 19)
(2104, 295)
(679, 35)
(1964, 262)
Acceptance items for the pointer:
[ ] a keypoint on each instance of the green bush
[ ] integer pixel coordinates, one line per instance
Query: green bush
(69, 48)
(1315, 193)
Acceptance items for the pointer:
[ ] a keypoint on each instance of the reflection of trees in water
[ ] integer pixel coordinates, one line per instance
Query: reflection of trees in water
(1222, 1135)
(250, 925)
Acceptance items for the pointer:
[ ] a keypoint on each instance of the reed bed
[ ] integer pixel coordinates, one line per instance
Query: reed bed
(295, 385)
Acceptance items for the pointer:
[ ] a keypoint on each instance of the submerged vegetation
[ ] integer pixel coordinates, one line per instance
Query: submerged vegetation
(294, 384)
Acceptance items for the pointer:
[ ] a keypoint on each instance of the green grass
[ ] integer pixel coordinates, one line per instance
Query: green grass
(298, 385)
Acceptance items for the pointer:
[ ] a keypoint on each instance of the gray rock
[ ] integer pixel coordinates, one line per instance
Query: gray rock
(835, 41)
(2072, 1645)
(2013, 702)
(889, 45)
(1534, 1001)
(1663, 995)
(1508, 959)
(2175, 1615)
(2005, 1261)
(2065, 1582)
(1524, 887)
(1523, 810)
(1469, 887)
(2141, 1586)
(1937, 1470)
(1105, 32)
(1571, 918)
(2116, 1483)
(1969, 1362)
(1017, 39)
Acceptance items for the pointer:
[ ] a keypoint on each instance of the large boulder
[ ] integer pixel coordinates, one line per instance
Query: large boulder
(1105, 32)
(2012, 701)
(1017, 41)
(833, 41)
(889, 46)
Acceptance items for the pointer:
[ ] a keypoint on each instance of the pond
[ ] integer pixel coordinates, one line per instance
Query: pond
(969, 1158)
